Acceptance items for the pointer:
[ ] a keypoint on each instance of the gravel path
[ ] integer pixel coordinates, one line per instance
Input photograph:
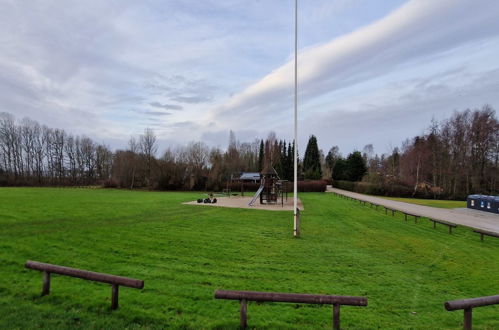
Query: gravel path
(465, 217)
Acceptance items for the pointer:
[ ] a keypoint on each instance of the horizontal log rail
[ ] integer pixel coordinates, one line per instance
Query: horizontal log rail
(245, 296)
(416, 217)
(448, 224)
(485, 233)
(468, 304)
(392, 210)
(114, 280)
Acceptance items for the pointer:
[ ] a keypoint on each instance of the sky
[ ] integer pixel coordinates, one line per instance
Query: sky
(369, 71)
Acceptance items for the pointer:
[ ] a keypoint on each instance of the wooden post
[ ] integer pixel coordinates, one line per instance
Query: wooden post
(46, 283)
(467, 318)
(336, 316)
(244, 317)
(297, 223)
(114, 297)
(450, 229)
(405, 216)
(481, 237)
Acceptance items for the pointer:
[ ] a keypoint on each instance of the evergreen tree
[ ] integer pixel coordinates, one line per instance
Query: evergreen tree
(340, 170)
(278, 165)
(312, 161)
(290, 162)
(356, 166)
(284, 161)
(260, 157)
(291, 150)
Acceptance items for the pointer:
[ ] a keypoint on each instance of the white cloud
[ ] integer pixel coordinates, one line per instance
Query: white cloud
(415, 32)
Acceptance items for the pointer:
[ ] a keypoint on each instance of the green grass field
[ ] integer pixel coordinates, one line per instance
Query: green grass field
(431, 202)
(185, 252)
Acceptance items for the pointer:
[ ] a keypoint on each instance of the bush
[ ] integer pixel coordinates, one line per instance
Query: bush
(369, 188)
(303, 186)
(167, 183)
(312, 186)
(345, 185)
(393, 190)
(109, 183)
(248, 186)
(397, 190)
(308, 186)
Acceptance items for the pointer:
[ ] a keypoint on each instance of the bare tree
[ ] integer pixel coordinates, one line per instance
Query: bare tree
(148, 149)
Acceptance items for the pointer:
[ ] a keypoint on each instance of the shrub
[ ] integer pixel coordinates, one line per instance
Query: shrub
(303, 186)
(109, 183)
(345, 185)
(167, 183)
(393, 190)
(308, 186)
(248, 186)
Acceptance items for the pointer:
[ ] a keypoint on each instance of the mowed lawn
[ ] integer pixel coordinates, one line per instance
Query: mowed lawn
(185, 252)
(430, 202)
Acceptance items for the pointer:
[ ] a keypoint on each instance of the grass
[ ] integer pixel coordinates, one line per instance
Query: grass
(430, 202)
(185, 252)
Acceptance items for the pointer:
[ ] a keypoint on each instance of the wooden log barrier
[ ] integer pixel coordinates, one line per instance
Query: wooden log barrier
(485, 233)
(114, 280)
(245, 296)
(448, 224)
(468, 304)
(416, 217)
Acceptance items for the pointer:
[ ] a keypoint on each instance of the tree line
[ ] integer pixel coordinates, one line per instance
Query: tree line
(36, 155)
(32, 154)
(454, 158)
(196, 166)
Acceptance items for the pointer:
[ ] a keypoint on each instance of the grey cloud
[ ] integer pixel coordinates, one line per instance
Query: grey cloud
(181, 89)
(221, 137)
(183, 125)
(157, 113)
(193, 99)
(166, 106)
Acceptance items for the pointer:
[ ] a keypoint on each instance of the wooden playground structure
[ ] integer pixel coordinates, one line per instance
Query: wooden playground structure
(271, 188)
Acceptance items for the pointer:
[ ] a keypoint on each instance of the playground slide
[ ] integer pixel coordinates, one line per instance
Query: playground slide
(258, 192)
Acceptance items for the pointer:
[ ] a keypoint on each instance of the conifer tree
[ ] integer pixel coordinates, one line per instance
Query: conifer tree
(284, 161)
(356, 165)
(291, 151)
(260, 157)
(278, 165)
(312, 162)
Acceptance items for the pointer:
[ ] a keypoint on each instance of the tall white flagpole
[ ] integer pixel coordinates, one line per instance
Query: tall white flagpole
(296, 227)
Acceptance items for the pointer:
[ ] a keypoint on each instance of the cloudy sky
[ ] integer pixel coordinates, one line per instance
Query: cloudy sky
(369, 71)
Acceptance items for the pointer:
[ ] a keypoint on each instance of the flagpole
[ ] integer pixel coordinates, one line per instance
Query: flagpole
(296, 227)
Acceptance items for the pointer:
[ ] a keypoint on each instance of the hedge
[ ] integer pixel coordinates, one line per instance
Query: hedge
(395, 190)
(303, 186)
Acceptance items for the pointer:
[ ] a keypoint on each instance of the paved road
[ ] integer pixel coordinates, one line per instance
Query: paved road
(465, 217)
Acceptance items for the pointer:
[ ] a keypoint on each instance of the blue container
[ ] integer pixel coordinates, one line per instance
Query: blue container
(483, 203)
(495, 205)
(473, 201)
